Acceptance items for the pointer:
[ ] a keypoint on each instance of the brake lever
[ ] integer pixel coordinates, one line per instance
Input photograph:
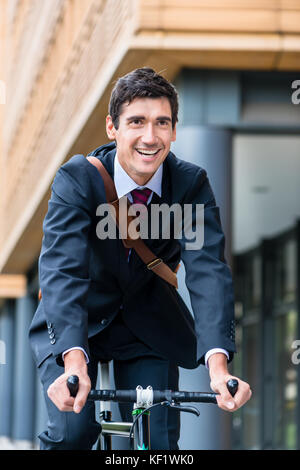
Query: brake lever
(187, 409)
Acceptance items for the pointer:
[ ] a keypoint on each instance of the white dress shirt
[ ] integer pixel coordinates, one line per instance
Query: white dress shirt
(124, 185)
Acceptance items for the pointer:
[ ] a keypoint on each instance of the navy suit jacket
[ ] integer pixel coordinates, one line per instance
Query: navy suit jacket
(85, 281)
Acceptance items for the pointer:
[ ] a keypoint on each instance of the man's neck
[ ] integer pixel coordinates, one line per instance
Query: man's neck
(138, 179)
(141, 181)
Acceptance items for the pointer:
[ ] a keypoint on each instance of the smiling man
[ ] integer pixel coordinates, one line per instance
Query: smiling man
(101, 302)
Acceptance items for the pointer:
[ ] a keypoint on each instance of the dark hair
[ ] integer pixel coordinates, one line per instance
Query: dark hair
(141, 83)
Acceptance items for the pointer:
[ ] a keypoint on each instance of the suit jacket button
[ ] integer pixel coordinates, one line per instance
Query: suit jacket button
(51, 336)
(104, 321)
(49, 324)
(53, 341)
(50, 330)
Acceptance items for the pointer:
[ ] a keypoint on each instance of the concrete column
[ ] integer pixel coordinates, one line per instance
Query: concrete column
(6, 369)
(210, 148)
(24, 373)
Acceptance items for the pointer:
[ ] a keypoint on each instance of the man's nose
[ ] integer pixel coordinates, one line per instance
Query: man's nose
(149, 137)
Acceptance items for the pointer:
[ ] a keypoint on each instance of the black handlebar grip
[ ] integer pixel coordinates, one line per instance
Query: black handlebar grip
(73, 385)
(232, 386)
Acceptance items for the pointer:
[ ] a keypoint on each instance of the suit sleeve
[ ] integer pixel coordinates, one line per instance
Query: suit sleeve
(208, 276)
(63, 263)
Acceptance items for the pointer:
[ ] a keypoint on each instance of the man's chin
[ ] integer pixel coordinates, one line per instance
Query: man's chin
(147, 169)
(142, 175)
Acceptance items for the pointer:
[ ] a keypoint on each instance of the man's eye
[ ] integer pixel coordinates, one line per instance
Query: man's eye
(136, 122)
(163, 123)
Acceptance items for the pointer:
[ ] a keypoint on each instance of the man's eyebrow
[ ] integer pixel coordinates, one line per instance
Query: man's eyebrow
(134, 118)
(159, 118)
(164, 118)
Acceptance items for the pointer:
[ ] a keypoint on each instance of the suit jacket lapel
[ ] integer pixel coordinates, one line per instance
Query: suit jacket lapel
(108, 161)
(166, 192)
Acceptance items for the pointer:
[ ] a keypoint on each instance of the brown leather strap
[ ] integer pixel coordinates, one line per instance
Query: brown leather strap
(153, 263)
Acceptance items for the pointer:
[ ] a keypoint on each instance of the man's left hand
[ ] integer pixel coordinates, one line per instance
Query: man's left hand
(219, 376)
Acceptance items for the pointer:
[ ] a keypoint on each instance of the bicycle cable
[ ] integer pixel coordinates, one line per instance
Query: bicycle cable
(138, 416)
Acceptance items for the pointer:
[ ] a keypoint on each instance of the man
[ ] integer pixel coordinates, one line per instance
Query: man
(99, 300)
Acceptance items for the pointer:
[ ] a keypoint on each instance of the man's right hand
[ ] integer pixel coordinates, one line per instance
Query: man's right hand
(58, 392)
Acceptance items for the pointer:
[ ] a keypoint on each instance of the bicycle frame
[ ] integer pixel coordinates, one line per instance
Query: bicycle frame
(141, 436)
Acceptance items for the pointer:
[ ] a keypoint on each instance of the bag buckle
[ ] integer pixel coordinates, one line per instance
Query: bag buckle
(154, 263)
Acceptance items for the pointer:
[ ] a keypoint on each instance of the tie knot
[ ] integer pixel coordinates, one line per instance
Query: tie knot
(141, 196)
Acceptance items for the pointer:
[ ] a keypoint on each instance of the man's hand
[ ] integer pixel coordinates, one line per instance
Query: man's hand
(58, 392)
(219, 376)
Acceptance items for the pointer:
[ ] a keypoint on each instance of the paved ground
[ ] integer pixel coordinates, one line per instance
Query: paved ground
(10, 444)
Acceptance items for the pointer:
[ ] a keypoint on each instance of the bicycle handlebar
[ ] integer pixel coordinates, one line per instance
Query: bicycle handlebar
(130, 396)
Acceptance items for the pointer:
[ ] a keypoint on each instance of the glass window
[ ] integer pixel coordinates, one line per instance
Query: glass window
(285, 381)
(266, 190)
(266, 208)
(246, 421)
(286, 272)
(250, 412)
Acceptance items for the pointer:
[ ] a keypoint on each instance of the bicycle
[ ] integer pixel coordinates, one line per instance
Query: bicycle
(138, 431)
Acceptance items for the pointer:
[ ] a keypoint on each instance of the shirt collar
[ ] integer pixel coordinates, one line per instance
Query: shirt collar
(125, 184)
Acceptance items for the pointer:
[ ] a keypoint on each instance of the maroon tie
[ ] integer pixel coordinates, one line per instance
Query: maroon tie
(139, 196)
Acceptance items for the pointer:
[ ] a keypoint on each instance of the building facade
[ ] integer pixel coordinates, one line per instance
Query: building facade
(236, 65)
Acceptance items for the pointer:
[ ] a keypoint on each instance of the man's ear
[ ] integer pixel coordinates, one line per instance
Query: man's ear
(110, 128)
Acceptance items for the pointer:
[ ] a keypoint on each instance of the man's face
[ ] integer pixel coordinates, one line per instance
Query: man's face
(143, 137)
